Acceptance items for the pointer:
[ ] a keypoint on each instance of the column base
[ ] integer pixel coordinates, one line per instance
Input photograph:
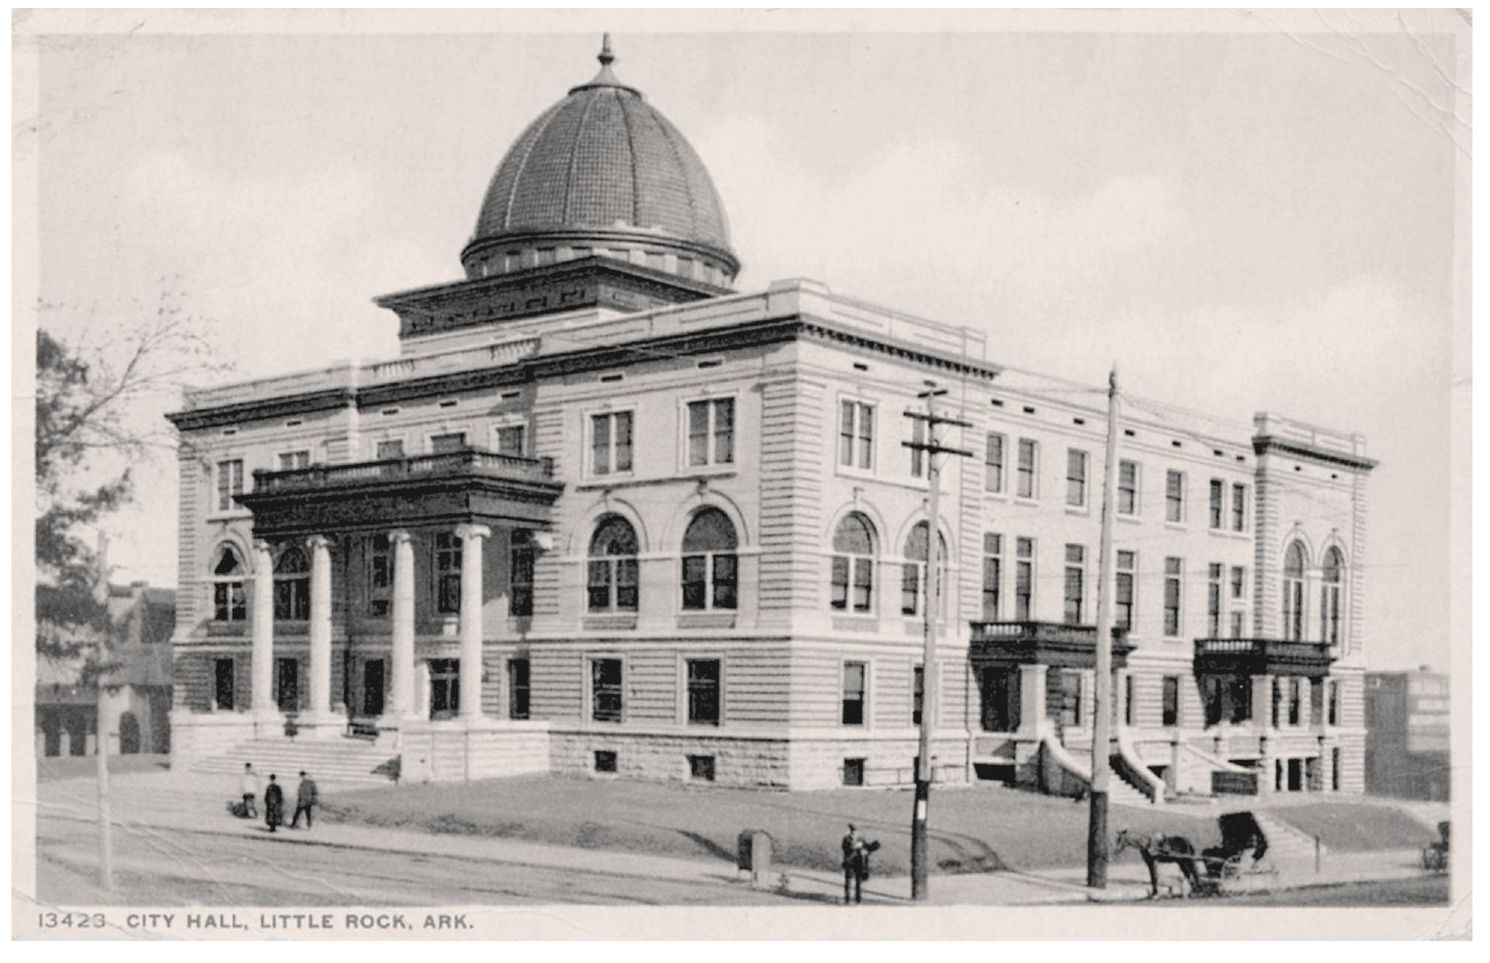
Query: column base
(319, 725)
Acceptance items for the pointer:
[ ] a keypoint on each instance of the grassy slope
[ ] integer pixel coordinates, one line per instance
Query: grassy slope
(974, 829)
(1356, 826)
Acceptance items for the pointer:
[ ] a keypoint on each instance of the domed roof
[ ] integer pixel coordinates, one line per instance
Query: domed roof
(602, 164)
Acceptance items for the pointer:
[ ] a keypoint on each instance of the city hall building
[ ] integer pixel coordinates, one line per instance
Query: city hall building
(605, 514)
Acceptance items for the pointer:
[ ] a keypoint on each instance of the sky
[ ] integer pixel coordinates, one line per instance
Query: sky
(1254, 213)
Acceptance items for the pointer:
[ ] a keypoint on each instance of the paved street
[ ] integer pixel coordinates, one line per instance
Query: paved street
(175, 844)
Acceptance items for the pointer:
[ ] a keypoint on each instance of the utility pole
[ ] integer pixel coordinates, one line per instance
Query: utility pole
(101, 740)
(930, 447)
(1096, 847)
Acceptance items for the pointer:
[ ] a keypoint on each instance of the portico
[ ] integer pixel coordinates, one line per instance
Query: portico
(397, 554)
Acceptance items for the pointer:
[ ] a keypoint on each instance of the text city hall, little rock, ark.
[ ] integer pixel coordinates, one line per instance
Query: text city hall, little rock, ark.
(603, 514)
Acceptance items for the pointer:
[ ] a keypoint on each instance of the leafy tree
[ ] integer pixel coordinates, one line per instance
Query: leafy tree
(97, 415)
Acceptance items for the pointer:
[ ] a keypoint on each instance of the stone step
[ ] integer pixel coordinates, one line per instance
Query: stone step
(1286, 842)
(338, 760)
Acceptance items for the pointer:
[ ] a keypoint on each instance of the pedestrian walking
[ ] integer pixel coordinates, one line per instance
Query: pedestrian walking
(248, 787)
(274, 804)
(856, 850)
(305, 800)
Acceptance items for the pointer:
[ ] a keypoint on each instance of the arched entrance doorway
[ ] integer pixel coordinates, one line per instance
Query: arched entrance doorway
(129, 734)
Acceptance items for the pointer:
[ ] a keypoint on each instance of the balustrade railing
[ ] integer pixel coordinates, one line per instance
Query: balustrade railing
(463, 462)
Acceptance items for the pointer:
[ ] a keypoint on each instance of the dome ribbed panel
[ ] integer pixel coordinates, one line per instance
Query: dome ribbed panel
(602, 191)
(661, 184)
(706, 209)
(493, 218)
(543, 185)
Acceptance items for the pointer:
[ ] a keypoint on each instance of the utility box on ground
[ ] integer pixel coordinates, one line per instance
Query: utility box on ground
(753, 853)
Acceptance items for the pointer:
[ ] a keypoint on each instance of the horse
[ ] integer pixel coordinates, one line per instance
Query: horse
(1161, 849)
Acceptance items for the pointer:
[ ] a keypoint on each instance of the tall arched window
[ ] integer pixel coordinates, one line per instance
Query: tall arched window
(710, 567)
(853, 564)
(1329, 600)
(1293, 592)
(292, 586)
(229, 604)
(913, 584)
(612, 578)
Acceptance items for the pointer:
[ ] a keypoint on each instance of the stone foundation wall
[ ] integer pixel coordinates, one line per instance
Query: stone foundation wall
(451, 751)
(200, 735)
(822, 763)
(663, 757)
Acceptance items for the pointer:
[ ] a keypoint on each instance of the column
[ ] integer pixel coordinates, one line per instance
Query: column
(472, 537)
(403, 625)
(261, 675)
(1031, 698)
(320, 627)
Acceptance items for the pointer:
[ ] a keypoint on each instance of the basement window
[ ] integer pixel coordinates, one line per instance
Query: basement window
(853, 772)
(612, 378)
(605, 760)
(701, 767)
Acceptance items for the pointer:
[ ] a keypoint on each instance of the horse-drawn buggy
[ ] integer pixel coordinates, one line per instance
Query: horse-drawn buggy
(1211, 872)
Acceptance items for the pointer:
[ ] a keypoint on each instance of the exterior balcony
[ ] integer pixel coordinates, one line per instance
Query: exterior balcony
(1252, 657)
(469, 486)
(1044, 643)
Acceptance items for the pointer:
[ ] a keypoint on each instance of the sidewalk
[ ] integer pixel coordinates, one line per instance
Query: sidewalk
(196, 803)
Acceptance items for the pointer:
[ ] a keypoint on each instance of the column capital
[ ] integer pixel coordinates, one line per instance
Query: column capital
(470, 531)
(318, 541)
(262, 545)
(400, 536)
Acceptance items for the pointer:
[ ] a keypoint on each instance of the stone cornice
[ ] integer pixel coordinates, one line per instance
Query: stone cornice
(193, 419)
(1271, 444)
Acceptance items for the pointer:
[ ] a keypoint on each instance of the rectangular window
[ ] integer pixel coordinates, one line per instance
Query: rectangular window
(447, 573)
(993, 464)
(610, 442)
(1075, 478)
(1334, 710)
(379, 575)
(605, 690)
(1316, 702)
(229, 483)
(1240, 693)
(1213, 600)
(856, 434)
(853, 772)
(444, 688)
(287, 684)
(1171, 700)
(1127, 700)
(1238, 508)
(1071, 698)
(1295, 701)
(512, 440)
(1211, 697)
(918, 693)
(711, 432)
(229, 602)
(1218, 497)
(1024, 579)
(998, 689)
(1127, 571)
(1238, 624)
(292, 460)
(520, 584)
(918, 455)
(1174, 496)
(701, 768)
(1173, 568)
(993, 574)
(518, 688)
(449, 442)
(222, 683)
(1238, 583)
(1028, 483)
(605, 760)
(855, 674)
(1127, 493)
(703, 691)
(390, 448)
(1075, 582)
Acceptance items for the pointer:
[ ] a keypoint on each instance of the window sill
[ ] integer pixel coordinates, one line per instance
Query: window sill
(707, 471)
(1082, 510)
(1028, 500)
(1130, 519)
(856, 623)
(1176, 526)
(227, 629)
(704, 619)
(610, 623)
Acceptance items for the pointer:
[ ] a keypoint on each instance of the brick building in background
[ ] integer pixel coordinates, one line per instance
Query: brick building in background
(603, 514)
(138, 697)
(1407, 734)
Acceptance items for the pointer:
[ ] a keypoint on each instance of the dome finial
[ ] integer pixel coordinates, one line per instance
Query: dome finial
(606, 58)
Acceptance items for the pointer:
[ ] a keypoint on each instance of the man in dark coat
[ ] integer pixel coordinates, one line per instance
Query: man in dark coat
(305, 799)
(274, 804)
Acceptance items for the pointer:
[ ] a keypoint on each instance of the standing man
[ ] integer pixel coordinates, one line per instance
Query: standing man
(274, 804)
(856, 852)
(305, 800)
(248, 786)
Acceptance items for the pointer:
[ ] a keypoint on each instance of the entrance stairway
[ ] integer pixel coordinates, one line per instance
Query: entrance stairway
(1285, 843)
(339, 760)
